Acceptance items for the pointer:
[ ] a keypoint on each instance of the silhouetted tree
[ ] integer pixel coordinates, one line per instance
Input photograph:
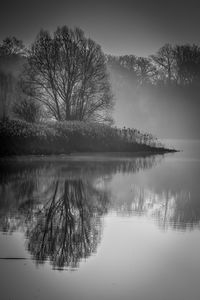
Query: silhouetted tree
(145, 70)
(69, 72)
(11, 45)
(128, 61)
(188, 64)
(165, 61)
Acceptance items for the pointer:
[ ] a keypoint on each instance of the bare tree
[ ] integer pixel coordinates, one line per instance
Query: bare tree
(187, 63)
(70, 76)
(145, 70)
(165, 60)
(6, 92)
(11, 45)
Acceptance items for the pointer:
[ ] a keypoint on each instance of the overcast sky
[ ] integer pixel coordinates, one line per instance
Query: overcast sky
(121, 27)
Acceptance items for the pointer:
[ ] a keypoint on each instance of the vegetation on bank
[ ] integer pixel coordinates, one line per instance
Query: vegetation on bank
(57, 98)
(21, 138)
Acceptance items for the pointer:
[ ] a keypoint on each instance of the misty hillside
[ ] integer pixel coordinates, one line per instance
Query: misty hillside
(166, 111)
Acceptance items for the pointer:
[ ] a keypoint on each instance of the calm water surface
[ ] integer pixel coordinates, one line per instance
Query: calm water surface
(101, 227)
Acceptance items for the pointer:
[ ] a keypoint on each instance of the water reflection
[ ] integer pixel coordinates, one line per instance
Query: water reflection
(59, 205)
(68, 227)
(177, 210)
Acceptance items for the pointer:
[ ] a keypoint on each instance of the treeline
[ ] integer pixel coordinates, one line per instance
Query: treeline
(65, 76)
(172, 65)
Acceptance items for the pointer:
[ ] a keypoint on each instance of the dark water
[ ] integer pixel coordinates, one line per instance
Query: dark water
(101, 227)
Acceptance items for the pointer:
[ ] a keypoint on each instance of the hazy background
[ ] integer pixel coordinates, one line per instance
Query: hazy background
(122, 27)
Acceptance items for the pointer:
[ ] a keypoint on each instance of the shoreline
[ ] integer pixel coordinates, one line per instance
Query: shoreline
(19, 138)
(84, 155)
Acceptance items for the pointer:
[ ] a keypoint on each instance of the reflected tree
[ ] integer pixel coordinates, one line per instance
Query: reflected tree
(178, 210)
(68, 226)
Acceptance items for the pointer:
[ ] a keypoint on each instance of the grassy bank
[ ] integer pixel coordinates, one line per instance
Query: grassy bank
(22, 138)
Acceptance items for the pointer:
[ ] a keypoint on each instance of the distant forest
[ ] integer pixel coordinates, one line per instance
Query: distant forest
(160, 92)
(172, 65)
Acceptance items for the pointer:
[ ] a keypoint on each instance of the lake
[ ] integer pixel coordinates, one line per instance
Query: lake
(101, 227)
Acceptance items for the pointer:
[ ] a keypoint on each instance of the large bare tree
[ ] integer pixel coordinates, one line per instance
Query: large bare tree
(69, 73)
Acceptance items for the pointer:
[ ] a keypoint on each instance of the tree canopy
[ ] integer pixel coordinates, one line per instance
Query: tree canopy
(69, 73)
(11, 45)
